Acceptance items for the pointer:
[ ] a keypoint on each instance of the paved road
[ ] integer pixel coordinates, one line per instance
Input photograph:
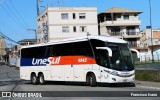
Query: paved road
(9, 81)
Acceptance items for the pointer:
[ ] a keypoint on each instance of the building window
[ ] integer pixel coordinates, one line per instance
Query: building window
(135, 15)
(39, 40)
(65, 29)
(83, 29)
(126, 17)
(45, 38)
(82, 15)
(74, 16)
(45, 31)
(118, 15)
(64, 16)
(43, 24)
(74, 29)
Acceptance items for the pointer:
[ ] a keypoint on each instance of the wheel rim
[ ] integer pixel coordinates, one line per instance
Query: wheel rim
(88, 80)
(41, 79)
(91, 80)
(34, 79)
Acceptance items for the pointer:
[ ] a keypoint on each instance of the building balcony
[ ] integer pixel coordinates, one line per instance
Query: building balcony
(125, 34)
(114, 22)
(116, 33)
(132, 33)
(133, 45)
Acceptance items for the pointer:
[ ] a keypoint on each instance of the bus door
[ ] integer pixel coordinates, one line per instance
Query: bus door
(103, 61)
(69, 72)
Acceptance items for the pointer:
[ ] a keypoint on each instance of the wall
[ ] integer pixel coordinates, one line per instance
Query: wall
(156, 34)
(56, 23)
(2, 47)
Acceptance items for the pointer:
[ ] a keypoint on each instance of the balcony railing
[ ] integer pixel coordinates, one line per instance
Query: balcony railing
(123, 33)
(132, 33)
(110, 19)
(119, 22)
(133, 45)
(116, 33)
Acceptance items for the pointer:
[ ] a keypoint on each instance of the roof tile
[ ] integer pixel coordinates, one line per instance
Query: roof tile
(120, 10)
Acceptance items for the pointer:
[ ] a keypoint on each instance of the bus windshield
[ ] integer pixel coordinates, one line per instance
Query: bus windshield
(121, 59)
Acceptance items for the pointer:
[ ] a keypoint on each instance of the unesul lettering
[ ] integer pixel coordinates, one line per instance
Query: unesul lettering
(49, 61)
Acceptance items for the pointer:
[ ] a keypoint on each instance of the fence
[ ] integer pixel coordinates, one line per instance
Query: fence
(148, 58)
(145, 62)
(146, 69)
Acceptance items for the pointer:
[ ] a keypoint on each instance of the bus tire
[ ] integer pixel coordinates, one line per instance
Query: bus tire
(88, 80)
(92, 80)
(113, 84)
(34, 79)
(41, 79)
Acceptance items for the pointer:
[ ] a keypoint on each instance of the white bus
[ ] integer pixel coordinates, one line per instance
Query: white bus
(92, 59)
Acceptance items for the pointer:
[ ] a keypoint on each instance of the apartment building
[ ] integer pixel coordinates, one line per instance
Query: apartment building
(27, 42)
(121, 23)
(66, 22)
(146, 37)
(2, 45)
(154, 43)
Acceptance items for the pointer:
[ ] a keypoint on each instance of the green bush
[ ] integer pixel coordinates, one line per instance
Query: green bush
(147, 75)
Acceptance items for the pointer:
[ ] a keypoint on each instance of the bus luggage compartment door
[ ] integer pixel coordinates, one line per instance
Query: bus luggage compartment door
(69, 72)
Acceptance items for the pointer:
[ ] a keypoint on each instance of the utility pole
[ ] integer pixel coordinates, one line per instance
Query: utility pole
(151, 30)
(35, 33)
(38, 7)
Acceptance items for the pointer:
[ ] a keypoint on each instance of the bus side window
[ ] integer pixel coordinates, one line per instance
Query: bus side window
(55, 51)
(48, 51)
(83, 49)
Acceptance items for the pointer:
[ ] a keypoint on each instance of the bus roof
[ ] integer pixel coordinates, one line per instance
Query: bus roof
(107, 39)
(102, 38)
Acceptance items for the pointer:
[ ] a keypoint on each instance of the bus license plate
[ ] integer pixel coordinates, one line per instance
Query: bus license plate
(125, 80)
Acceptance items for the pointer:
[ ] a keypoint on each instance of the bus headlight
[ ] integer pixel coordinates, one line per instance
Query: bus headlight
(113, 79)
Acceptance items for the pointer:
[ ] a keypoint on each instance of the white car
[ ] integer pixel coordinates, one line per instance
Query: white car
(12, 62)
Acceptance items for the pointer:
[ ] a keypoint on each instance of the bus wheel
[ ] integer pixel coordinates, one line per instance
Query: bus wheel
(92, 80)
(88, 80)
(34, 79)
(41, 79)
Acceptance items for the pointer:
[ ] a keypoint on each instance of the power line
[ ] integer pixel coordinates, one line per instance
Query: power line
(14, 15)
(6, 37)
(18, 13)
(10, 15)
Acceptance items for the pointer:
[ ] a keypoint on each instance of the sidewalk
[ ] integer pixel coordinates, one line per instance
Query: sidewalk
(147, 83)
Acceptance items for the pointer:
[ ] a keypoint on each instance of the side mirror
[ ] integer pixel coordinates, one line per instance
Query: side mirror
(134, 50)
(106, 48)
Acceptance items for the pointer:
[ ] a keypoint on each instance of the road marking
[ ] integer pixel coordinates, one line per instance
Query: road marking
(149, 87)
(9, 80)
